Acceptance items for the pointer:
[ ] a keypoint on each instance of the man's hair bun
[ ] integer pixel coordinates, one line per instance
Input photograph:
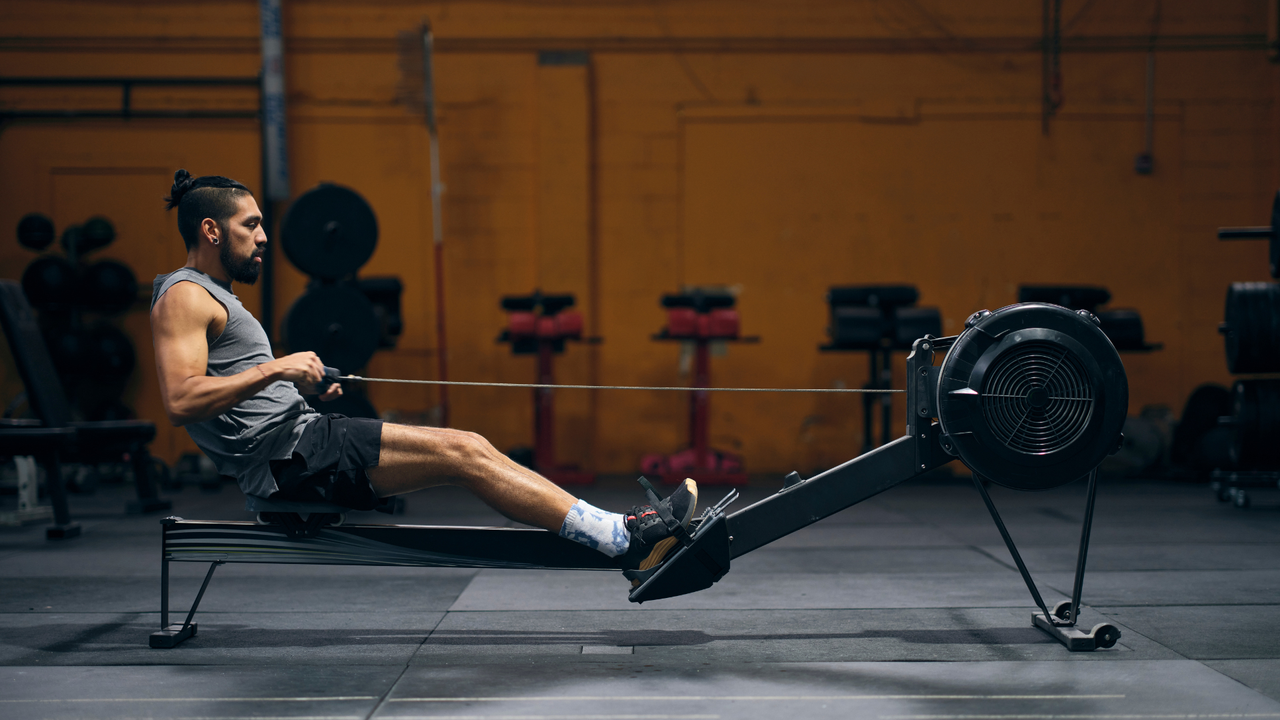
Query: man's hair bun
(182, 182)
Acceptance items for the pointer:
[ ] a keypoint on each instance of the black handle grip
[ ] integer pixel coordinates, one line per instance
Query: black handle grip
(332, 374)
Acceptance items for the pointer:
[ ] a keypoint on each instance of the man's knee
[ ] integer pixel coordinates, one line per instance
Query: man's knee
(470, 448)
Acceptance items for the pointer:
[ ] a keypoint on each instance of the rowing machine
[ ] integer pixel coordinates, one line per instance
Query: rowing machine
(1030, 397)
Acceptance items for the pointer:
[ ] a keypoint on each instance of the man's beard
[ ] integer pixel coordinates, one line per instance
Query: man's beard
(241, 271)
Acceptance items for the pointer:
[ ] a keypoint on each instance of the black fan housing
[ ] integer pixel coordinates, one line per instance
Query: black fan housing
(1032, 396)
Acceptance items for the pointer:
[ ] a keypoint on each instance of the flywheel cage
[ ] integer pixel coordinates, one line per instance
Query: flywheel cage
(1037, 398)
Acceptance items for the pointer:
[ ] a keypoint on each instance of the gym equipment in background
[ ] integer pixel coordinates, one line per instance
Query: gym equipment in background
(1030, 397)
(1200, 441)
(1253, 455)
(55, 438)
(540, 325)
(77, 302)
(329, 233)
(878, 319)
(85, 361)
(1251, 335)
(699, 318)
(1122, 325)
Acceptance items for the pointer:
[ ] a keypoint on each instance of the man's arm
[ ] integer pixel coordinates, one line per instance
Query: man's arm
(180, 326)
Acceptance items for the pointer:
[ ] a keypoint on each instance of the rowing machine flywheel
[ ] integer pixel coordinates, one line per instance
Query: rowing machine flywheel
(1032, 396)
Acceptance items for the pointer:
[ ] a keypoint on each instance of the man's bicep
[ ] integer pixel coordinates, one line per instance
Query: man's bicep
(179, 327)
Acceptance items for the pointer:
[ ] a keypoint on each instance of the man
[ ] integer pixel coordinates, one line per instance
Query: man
(244, 407)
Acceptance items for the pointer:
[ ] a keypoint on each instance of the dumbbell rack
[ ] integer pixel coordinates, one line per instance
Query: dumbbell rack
(1251, 314)
(539, 325)
(699, 318)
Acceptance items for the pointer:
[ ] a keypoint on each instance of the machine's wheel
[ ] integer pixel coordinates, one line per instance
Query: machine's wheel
(1062, 610)
(1104, 635)
(1032, 396)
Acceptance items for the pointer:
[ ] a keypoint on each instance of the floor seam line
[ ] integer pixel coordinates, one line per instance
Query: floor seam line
(407, 664)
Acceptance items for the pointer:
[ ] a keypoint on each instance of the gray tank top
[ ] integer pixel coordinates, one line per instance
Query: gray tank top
(265, 427)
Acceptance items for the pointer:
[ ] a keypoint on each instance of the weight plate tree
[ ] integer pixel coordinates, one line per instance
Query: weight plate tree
(1032, 396)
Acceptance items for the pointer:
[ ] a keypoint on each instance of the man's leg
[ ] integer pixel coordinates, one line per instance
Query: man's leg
(414, 458)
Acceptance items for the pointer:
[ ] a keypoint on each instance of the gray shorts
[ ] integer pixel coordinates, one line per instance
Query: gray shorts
(331, 462)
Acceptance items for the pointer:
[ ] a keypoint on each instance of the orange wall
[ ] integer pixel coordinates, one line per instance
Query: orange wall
(773, 147)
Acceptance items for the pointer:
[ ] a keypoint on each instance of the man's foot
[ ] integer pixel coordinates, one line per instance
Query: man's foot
(656, 529)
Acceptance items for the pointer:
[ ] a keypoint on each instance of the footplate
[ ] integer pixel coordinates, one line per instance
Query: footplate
(696, 566)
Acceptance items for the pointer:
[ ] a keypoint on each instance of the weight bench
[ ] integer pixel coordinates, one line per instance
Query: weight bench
(59, 438)
(1052, 366)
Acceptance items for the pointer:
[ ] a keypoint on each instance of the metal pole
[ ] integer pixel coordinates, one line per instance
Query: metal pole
(437, 217)
(268, 286)
(544, 431)
(275, 154)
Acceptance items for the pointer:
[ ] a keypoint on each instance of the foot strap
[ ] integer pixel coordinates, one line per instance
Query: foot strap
(673, 525)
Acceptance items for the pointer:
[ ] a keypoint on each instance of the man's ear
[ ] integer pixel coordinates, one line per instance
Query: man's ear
(209, 231)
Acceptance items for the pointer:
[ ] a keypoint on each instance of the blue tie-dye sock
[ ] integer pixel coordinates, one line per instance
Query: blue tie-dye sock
(597, 529)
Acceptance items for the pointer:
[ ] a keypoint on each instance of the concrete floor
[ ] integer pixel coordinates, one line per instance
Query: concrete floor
(904, 607)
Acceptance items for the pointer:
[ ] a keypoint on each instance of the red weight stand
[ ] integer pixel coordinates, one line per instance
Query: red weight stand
(544, 335)
(701, 320)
